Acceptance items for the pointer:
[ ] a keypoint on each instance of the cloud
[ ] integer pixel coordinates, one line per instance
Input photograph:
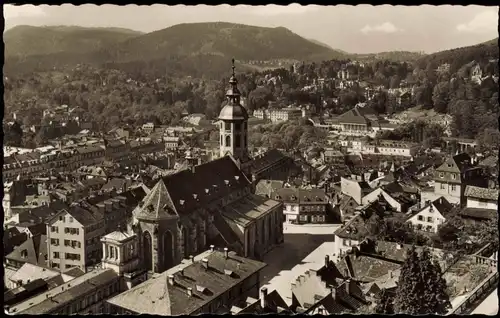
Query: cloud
(274, 10)
(486, 21)
(386, 27)
(24, 11)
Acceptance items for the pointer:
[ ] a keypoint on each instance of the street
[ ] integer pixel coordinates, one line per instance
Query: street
(284, 259)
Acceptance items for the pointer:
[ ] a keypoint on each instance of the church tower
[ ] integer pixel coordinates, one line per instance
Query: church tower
(234, 124)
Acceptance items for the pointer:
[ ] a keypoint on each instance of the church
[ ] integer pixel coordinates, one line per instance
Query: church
(208, 204)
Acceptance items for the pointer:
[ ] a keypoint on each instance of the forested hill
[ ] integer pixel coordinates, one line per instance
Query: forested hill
(35, 48)
(24, 40)
(220, 38)
(460, 56)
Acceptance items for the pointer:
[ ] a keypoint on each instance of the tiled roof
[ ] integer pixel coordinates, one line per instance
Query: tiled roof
(353, 116)
(367, 268)
(66, 293)
(481, 193)
(265, 160)
(213, 180)
(301, 196)
(248, 209)
(158, 296)
(491, 161)
(116, 183)
(36, 248)
(12, 237)
(355, 229)
(157, 204)
(31, 272)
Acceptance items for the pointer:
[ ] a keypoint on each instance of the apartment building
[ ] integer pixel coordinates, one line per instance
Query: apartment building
(73, 238)
(431, 216)
(277, 115)
(303, 206)
(452, 177)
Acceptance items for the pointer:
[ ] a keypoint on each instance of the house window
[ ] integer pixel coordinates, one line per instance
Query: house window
(54, 242)
(429, 219)
(54, 229)
(55, 255)
(70, 219)
(55, 265)
(420, 218)
(67, 243)
(428, 228)
(441, 175)
(61, 218)
(345, 242)
(442, 186)
(453, 187)
(453, 176)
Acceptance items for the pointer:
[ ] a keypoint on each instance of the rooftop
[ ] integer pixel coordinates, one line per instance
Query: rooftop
(59, 296)
(162, 295)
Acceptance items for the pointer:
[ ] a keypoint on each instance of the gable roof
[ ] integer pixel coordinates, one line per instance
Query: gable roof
(36, 248)
(157, 204)
(193, 188)
(481, 193)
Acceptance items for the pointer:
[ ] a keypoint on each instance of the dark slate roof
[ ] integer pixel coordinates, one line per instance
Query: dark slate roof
(36, 248)
(116, 183)
(481, 193)
(354, 116)
(265, 160)
(355, 229)
(74, 272)
(157, 296)
(301, 196)
(190, 189)
(84, 215)
(12, 237)
(157, 204)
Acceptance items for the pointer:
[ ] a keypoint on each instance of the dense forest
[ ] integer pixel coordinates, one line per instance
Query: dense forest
(159, 91)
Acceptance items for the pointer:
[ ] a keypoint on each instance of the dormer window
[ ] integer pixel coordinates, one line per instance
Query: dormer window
(226, 182)
(181, 202)
(278, 197)
(195, 196)
(207, 191)
(24, 253)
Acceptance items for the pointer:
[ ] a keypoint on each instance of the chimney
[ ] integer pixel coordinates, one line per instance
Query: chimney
(212, 248)
(263, 295)
(226, 252)
(346, 273)
(191, 257)
(327, 260)
(348, 287)
(333, 292)
(190, 291)
(205, 263)
(170, 280)
(391, 274)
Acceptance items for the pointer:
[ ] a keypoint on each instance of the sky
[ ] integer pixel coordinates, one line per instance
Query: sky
(355, 29)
